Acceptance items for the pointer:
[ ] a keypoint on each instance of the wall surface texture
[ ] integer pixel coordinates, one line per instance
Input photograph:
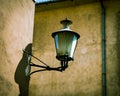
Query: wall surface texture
(113, 48)
(84, 75)
(85, 71)
(16, 32)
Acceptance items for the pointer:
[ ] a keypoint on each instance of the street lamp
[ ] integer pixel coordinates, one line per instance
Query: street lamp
(65, 43)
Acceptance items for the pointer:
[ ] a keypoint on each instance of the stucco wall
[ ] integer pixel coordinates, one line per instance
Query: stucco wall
(83, 77)
(113, 47)
(16, 32)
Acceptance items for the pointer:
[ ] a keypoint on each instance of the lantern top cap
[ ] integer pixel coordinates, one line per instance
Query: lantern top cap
(66, 23)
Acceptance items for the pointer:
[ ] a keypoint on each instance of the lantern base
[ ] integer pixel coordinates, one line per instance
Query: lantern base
(64, 58)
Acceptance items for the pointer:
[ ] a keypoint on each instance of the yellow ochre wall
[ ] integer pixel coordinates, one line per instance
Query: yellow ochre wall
(83, 77)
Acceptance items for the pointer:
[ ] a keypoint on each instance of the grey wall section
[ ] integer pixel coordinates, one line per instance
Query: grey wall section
(16, 32)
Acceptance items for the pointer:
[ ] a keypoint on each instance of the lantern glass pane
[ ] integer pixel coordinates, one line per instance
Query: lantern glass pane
(65, 44)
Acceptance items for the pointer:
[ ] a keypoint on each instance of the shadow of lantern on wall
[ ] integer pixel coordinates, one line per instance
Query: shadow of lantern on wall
(65, 43)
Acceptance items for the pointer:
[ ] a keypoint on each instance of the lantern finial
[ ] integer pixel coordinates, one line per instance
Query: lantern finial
(66, 23)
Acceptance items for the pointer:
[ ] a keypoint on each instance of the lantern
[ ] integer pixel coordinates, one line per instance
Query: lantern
(65, 41)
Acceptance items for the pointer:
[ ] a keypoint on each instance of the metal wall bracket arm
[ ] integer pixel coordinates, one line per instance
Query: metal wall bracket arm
(64, 65)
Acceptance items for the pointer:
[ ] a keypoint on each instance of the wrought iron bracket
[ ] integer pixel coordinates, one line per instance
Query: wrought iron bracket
(64, 65)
